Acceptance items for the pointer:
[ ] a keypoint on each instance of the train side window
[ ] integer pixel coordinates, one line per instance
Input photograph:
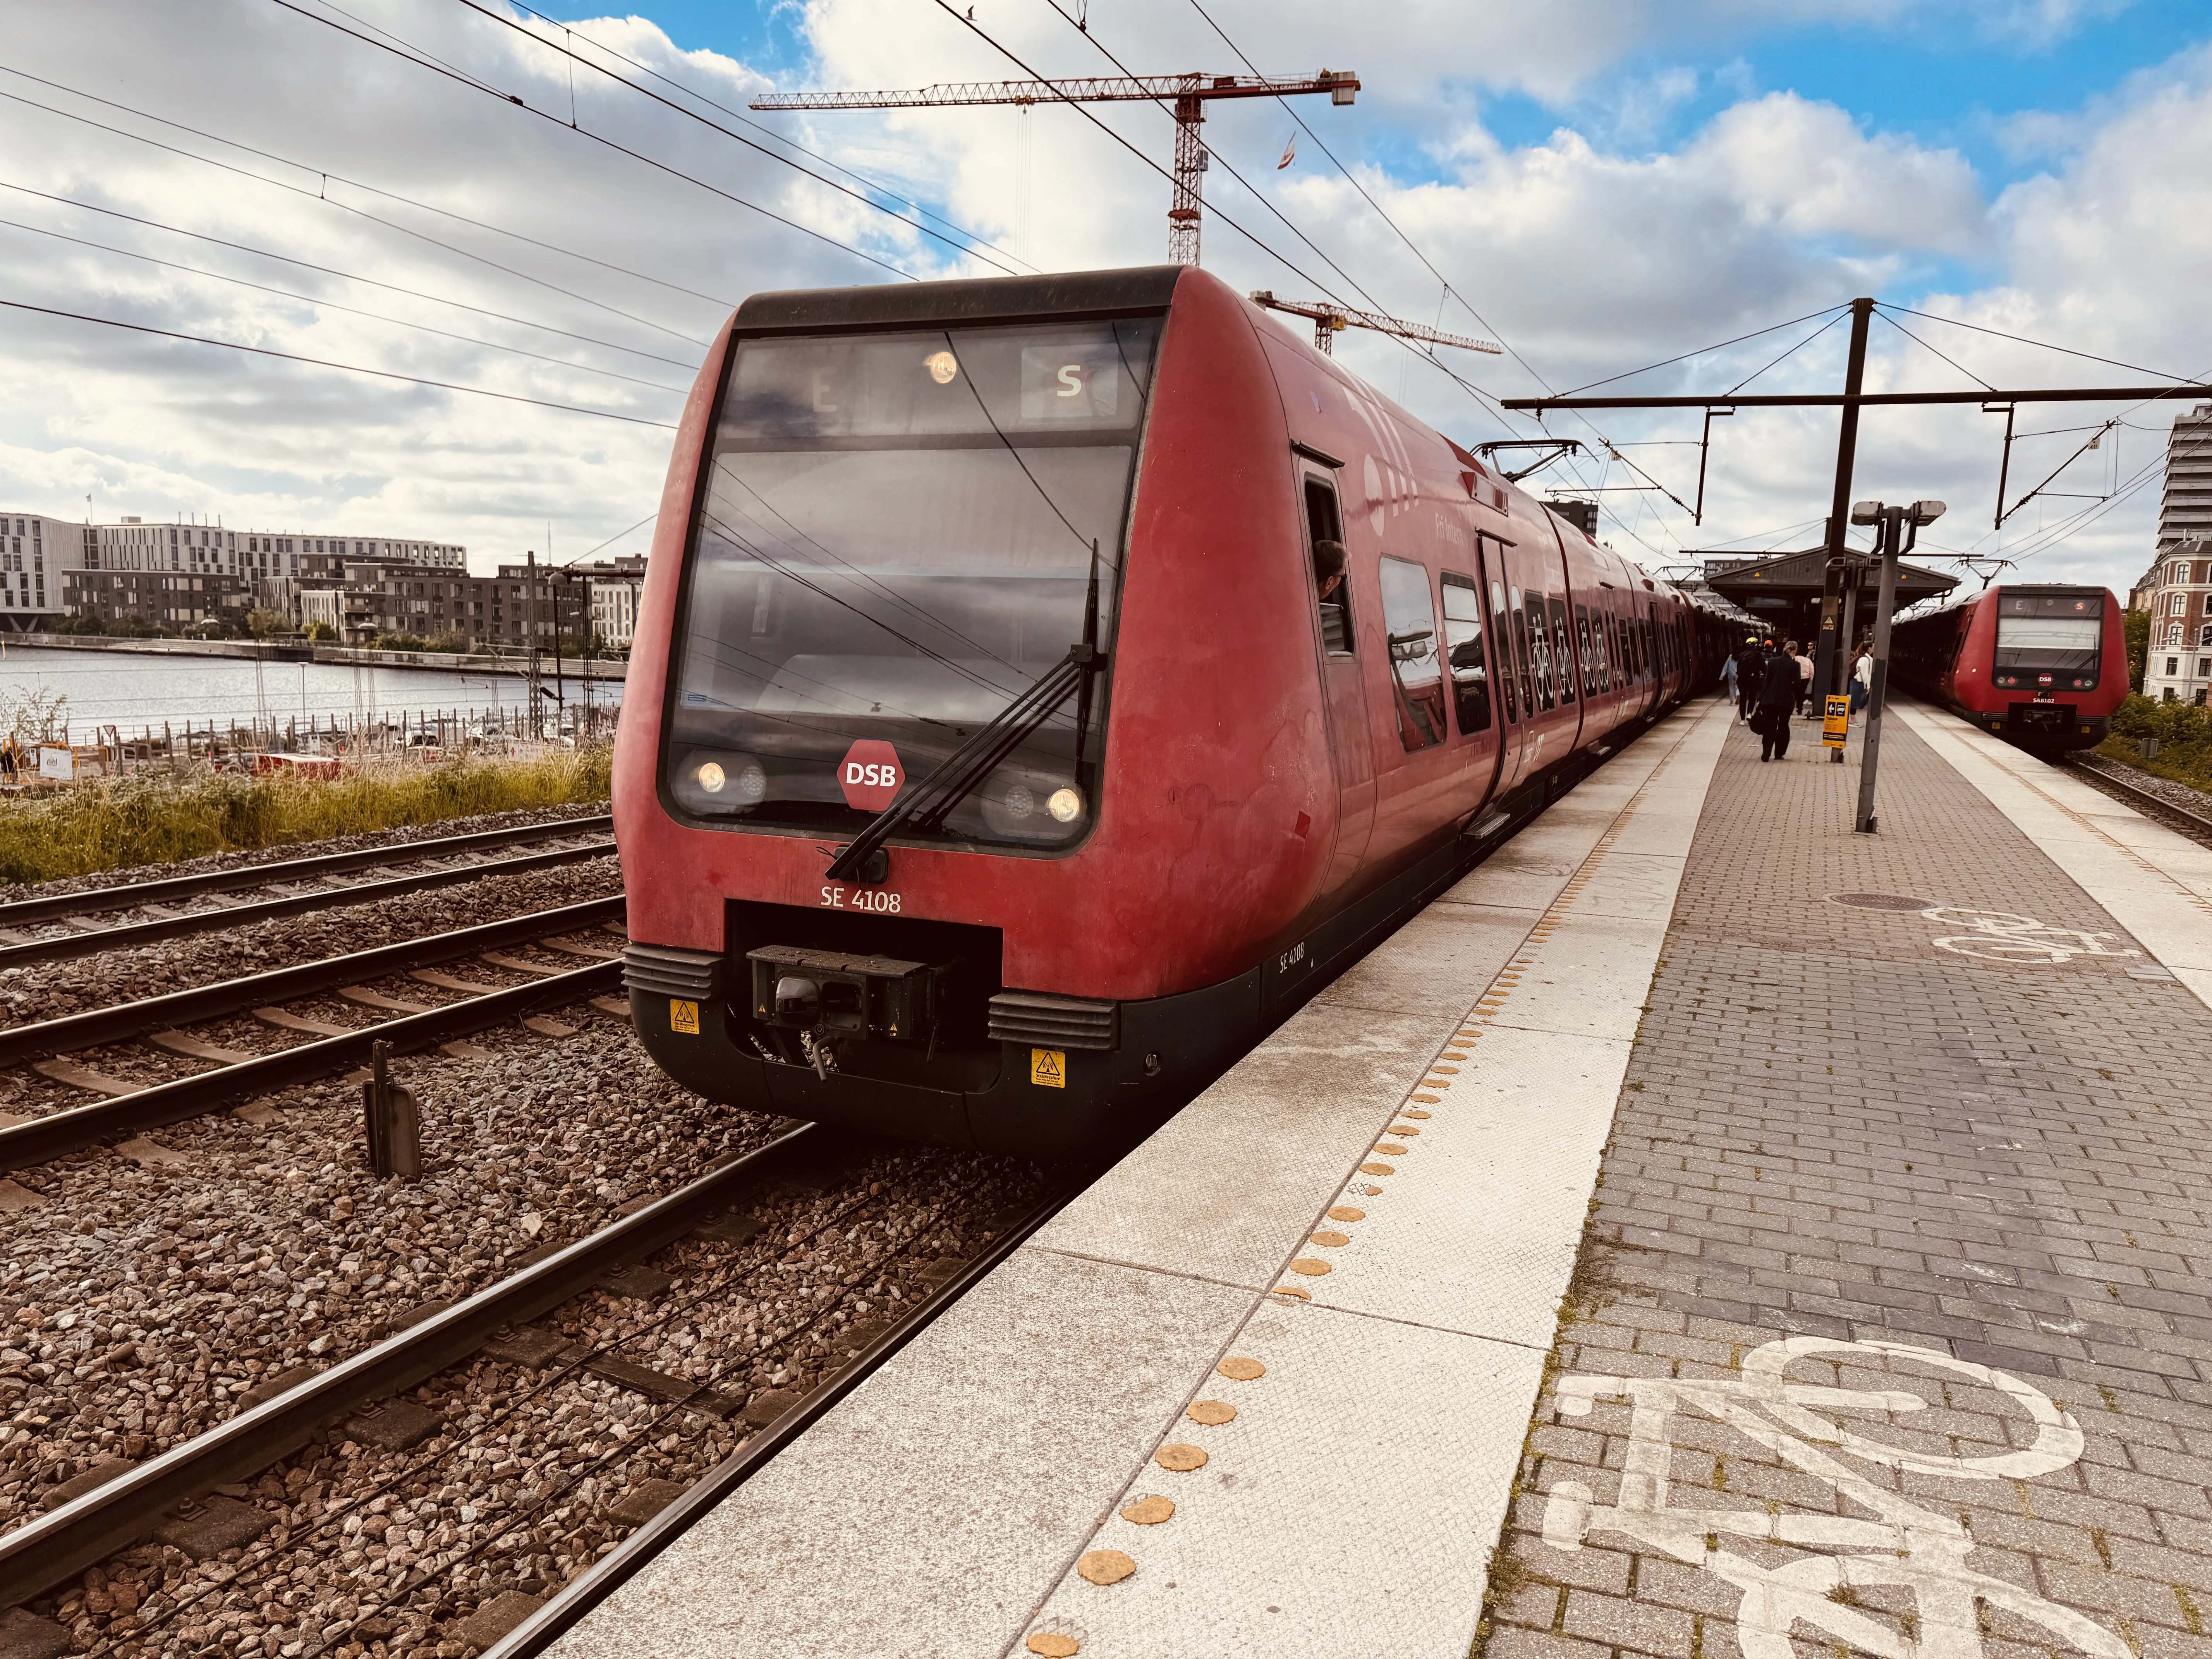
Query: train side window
(1470, 674)
(1507, 667)
(1533, 626)
(1588, 657)
(1563, 648)
(1417, 680)
(1331, 577)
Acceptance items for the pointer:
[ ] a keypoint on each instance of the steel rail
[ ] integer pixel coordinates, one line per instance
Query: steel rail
(117, 1515)
(68, 945)
(268, 875)
(2139, 796)
(41, 1139)
(126, 1020)
(567, 1609)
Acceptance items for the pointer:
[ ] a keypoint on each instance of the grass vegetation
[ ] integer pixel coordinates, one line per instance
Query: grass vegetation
(153, 817)
(2183, 731)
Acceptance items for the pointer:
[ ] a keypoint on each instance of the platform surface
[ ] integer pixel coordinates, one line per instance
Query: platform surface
(1672, 1151)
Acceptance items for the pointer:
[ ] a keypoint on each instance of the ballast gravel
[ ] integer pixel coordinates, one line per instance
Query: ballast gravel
(49, 990)
(142, 1303)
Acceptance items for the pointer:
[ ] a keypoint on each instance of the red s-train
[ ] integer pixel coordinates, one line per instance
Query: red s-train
(1028, 580)
(2042, 666)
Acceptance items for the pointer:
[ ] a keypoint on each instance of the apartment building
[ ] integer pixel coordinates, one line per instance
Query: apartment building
(34, 551)
(2178, 667)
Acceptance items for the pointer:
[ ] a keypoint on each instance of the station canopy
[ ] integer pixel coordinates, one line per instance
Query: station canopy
(1782, 591)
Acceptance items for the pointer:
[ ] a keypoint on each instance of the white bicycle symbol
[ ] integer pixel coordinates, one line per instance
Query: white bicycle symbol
(1908, 1548)
(2000, 936)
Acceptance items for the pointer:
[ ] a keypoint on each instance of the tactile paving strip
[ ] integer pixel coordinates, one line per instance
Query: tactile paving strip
(1363, 1480)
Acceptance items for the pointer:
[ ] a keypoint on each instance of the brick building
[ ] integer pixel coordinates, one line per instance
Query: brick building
(2177, 668)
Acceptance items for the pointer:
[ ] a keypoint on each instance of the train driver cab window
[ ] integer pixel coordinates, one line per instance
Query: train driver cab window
(1416, 679)
(1331, 579)
(1470, 674)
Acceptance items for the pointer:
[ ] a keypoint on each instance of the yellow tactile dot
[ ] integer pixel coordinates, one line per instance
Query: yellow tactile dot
(1404, 1128)
(1469, 1037)
(1149, 1511)
(1391, 1151)
(1179, 1458)
(1453, 1054)
(1435, 1083)
(1372, 1192)
(1374, 1168)
(1448, 1070)
(1330, 1238)
(1345, 1212)
(1427, 1100)
(1237, 1370)
(1291, 1289)
(1052, 1645)
(1411, 1114)
(1211, 1412)
(1105, 1566)
(1311, 1268)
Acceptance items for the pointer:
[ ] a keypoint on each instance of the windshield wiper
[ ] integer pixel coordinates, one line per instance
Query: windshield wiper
(925, 808)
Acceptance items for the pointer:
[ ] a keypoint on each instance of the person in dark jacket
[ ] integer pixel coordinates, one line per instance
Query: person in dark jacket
(1778, 697)
(1750, 675)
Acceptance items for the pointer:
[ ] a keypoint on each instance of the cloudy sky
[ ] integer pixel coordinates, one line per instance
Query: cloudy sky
(458, 192)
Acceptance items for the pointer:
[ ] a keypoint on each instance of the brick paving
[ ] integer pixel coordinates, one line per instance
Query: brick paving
(1849, 1157)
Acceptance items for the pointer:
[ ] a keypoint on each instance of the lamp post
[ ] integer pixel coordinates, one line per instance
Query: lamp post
(1893, 545)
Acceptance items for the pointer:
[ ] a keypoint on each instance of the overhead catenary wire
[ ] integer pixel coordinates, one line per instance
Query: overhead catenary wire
(571, 54)
(325, 362)
(278, 184)
(743, 120)
(333, 305)
(640, 157)
(306, 265)
(1488, 328)
(326, 177)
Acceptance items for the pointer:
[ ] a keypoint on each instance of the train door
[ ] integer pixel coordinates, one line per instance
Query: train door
(1469, 654)
(1351, 744)
(1509, 651)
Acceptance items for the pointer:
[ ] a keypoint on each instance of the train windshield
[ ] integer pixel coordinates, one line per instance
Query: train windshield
(900, 534)
(2050, 633)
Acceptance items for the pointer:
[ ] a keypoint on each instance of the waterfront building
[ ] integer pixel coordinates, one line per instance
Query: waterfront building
(34, 551)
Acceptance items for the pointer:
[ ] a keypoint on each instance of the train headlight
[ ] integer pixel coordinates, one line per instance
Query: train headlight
(715, 784)
(1065, 804)
(1020, 803)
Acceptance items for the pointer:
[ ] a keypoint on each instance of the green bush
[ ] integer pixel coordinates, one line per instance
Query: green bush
(155, 817)
(2183, 731)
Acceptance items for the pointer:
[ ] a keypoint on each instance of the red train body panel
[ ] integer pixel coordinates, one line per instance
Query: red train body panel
(857, 543)
(2044, 667)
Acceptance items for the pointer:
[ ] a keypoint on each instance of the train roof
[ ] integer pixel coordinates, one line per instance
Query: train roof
(1136, 289)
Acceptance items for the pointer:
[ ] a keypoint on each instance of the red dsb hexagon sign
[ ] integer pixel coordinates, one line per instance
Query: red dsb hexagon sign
(870, 774)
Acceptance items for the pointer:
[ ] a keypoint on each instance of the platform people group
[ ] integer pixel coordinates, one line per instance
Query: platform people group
(1770, 684)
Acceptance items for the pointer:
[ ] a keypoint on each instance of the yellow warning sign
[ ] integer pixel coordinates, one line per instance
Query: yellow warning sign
(1048, 1067)
(683, 1017)
(1836, 721)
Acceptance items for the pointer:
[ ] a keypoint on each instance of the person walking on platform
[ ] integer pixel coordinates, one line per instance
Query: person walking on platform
(1804, 675)
(1862, 679)
(1750, 671)
(1777, 696)
(1728, 678)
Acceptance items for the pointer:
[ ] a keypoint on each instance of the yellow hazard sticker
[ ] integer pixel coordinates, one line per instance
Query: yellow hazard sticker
(1048, 1067)
(683, 1017)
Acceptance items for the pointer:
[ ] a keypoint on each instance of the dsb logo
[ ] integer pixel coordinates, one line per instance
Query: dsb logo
(870, 774)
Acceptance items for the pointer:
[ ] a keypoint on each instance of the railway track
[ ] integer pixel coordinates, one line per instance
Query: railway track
(170, 1495)
(2156, 807)
(68, 930)
(127, 1107)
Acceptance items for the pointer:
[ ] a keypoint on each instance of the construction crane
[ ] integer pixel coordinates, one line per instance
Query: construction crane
(1330, 320)
(1190, 93)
